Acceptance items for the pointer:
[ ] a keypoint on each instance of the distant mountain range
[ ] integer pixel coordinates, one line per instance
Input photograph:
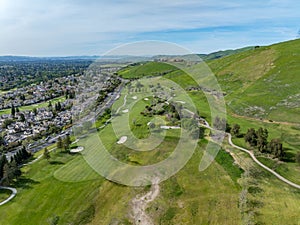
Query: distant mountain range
(123, 58)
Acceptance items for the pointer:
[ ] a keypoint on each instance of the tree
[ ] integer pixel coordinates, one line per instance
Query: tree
(46, 154)
(251, 137)
(25, 154)
(13, 110)
(3, 161)
(59, 143)
(22, 117)
(14, 169)
(1, 140)
(276, 148)
(262, 139)
(34, 111)
(67, 142)
(58, 107)
(235, 130)
(10, 171)
(7, 175)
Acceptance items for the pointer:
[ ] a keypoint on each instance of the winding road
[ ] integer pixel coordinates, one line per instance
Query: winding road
(256, 160)
(262, 165)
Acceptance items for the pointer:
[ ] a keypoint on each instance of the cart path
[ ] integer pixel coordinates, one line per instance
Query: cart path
(257, 161)
(14, 192)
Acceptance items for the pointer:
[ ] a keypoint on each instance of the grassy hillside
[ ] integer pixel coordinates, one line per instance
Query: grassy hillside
(221, 54)
(146, 69)
(261, 82)
(257, 79)
(264, 82)
(233, 190)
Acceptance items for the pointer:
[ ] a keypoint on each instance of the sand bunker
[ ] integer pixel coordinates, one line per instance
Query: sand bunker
(122, 140)
(146, 99)
(125, 111)
(182, 102)
(169, 127)
(79, 149)
(134, 97)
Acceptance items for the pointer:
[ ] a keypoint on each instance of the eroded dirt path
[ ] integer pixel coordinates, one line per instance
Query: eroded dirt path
(139, 205)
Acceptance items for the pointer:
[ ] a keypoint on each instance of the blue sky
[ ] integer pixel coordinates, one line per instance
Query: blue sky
(90, 27)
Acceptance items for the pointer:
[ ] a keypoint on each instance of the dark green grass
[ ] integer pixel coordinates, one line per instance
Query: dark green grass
(227, 162)
(146, 69)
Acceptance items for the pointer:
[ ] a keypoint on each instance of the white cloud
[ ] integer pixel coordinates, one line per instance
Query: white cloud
(64, 27)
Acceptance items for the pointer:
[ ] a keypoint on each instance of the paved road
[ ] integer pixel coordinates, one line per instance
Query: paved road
(13, 194)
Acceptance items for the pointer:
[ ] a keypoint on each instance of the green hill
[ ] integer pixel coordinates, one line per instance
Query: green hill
(259, 83)
(263, 82)
(145, 69)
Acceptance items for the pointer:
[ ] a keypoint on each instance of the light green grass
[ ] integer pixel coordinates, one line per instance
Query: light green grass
(41, 196)
(266, 77)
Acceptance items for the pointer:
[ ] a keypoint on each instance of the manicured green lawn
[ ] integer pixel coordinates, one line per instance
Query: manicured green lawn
(4, 194)
(41, 197)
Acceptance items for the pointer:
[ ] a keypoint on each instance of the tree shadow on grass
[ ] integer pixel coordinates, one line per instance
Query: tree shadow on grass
(288, 156)
(25, 183)
(56, 163)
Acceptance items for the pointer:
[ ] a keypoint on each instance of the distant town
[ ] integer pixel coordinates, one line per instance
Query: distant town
(34, 116)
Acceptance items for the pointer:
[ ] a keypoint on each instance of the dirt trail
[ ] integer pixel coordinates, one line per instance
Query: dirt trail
(264, 120)
(139, 205)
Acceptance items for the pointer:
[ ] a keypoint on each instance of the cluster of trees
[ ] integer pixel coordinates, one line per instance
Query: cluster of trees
(255, 138)
(259, 139)
(159, 107)
(21, 156)
(10, 170)
(70, 94)
(64, 143)
(57, 106)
